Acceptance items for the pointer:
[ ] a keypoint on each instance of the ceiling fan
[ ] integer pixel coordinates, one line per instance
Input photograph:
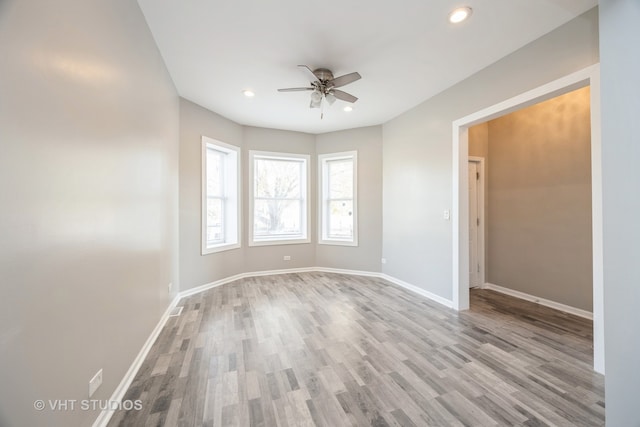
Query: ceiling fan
(324, 87)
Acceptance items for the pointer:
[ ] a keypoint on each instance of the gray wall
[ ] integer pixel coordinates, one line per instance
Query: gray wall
(417, 152)
(271, 257)
(88, 189)
(366, 256)
(197, 269)
(539, 200)
(620, 68)
(89, 231)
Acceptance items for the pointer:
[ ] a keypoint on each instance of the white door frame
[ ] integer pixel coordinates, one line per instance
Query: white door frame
(589, 76)
(481, 215)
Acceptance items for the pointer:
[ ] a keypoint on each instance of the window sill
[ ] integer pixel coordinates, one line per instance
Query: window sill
(338, 243)
(279, 242)
(220, 248)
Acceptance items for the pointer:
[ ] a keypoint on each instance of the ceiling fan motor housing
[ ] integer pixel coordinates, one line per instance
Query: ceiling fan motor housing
(323, 74)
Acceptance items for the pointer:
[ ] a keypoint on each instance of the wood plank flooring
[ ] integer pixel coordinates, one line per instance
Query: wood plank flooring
(320, 349)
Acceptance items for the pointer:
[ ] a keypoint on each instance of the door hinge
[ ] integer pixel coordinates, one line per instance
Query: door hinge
(478, 176)
(478, 268)
(478, 221)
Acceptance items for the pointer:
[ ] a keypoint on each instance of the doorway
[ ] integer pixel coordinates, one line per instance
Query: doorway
(589, 76)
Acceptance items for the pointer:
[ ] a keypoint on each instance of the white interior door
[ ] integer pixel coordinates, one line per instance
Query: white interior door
(474, 225)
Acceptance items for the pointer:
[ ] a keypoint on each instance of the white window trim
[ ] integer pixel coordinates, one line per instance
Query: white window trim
(322, 158)
(221, 146)
(306, 188)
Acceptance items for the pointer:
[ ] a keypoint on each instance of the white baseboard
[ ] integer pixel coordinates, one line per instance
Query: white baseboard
(395, 281)
(542, 301)
(118, 394)
(349, 272)
(417, 290)
(235, 277)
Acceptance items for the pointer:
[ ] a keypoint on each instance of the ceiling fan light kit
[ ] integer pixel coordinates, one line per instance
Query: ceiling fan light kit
(316, 99)
(324, 87)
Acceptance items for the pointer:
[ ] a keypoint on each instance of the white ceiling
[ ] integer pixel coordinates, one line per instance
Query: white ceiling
(405, 50)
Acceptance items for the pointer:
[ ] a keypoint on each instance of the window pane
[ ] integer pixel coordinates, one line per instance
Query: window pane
(215, 164)
(220, 196)
(340, 174)
(278, 179)
(215, 230)
(340, 219)
(277, 218)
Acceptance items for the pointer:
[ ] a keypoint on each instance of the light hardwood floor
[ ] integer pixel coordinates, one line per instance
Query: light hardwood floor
(336, 350)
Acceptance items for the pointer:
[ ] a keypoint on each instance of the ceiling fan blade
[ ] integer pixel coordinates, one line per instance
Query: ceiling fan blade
(295, 89)
(345, 80)
(344, 96)
(315, 77)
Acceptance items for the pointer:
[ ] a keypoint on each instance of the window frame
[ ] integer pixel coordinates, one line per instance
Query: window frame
(305, 190)
(323, 199)
(230, 227)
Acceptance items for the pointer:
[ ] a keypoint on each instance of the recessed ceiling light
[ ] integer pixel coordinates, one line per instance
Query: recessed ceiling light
(248, 93)
(460, 14)
(348, 108)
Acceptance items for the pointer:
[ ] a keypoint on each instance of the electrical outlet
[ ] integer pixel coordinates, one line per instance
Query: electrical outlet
(447, 214)
(95, 382)
(383, 260)
(287, 258)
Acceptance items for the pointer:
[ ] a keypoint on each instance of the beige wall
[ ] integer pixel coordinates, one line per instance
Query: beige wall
(197, 269)
(479, 140)
(88, 189)
(539, 200)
